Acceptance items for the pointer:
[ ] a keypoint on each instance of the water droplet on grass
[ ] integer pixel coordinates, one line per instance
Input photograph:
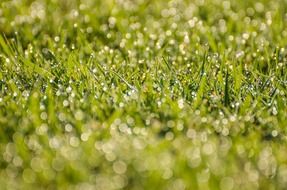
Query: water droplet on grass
(119, 167)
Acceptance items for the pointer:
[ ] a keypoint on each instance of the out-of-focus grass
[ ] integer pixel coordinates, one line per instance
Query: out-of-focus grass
(140, 94)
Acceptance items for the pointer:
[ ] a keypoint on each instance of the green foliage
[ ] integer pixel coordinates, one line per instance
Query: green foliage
(122, 94)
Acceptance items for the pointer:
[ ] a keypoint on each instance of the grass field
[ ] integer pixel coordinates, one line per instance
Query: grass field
(143, 94)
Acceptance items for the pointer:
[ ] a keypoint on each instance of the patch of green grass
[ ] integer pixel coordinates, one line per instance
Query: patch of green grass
(143, 94)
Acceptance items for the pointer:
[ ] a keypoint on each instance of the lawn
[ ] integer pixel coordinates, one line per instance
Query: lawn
(143, 94)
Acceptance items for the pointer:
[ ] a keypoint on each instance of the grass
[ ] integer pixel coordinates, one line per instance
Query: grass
(143, 94)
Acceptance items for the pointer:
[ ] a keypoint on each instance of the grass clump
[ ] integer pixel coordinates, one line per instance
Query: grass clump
(143, 94)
